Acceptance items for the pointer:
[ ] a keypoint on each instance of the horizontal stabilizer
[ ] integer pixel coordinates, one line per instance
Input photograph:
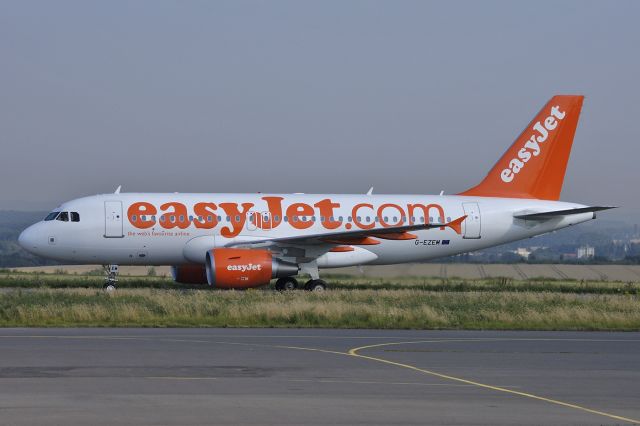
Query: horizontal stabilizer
(556, 213)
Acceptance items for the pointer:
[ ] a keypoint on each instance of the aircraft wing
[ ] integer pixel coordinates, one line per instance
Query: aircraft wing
(357, 237)
(556, 213)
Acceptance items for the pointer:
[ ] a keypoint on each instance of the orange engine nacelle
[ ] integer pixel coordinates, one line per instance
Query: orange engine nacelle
(189, 274)
(245, 268)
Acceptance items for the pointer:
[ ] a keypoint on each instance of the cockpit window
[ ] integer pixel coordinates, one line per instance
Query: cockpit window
(75, 216)
(63, 217)
(51, 216)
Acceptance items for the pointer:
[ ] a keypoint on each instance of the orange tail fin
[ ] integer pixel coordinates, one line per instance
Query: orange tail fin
(534, 166)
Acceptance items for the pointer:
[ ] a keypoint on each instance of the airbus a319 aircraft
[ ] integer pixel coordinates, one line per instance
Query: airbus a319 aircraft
(238, 241)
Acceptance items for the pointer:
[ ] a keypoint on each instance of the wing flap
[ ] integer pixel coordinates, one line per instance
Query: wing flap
(364, 236)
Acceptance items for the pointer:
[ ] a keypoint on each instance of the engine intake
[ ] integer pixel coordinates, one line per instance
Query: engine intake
(245, 268)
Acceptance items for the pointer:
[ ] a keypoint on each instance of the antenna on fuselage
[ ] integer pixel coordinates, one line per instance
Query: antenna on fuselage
(442, 193)
(118, 189)
(370, 191)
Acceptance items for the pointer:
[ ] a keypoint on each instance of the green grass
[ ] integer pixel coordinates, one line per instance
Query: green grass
(66, 300)
(392, 309)
(35, 280)
(10, 279)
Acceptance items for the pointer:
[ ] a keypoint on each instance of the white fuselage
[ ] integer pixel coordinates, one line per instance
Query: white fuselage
(176, 229)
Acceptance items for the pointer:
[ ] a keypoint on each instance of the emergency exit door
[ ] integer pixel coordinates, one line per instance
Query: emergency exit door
(113, 219)
(472, 223)
(260, 220)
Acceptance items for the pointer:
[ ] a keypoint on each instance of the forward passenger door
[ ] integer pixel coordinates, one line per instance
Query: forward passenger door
(113, 219)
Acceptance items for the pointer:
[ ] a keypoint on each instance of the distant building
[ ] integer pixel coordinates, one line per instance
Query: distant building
(586, 252)
(523, 252)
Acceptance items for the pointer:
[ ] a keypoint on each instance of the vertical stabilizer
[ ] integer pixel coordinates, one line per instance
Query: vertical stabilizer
(535, 165)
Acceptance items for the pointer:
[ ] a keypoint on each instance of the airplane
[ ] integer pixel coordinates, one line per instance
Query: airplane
(240, 241)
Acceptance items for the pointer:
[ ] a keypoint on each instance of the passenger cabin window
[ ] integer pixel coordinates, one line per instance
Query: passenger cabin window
(63, 217)
(75, 217)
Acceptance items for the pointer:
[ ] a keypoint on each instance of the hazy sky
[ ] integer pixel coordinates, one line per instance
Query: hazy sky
(410, 97)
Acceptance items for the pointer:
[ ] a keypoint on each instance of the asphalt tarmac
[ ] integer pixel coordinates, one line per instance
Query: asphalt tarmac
(287, 377)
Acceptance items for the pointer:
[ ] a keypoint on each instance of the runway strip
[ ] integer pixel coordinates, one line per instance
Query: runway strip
(265, 376)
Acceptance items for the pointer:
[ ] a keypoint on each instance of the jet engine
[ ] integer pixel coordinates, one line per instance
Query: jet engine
(189, 274)
(245, 268)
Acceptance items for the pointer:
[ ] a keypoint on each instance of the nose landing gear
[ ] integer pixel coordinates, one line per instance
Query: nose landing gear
(111, 278)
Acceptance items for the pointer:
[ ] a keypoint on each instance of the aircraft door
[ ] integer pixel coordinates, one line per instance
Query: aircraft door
(472, 222)
(113, 219)
(257, 220)
(266, 221)
(252, 220)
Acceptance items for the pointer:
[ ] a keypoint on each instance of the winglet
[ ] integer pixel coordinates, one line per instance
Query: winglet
(456, 225)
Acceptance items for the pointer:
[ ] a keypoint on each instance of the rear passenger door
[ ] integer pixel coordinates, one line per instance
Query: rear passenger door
(472, 222)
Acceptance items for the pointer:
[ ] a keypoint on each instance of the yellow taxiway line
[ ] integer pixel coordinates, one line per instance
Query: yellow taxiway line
(354, 352)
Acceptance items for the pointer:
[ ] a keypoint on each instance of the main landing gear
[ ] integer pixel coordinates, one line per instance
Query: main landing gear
(315, 285)
(290, 284)
(286, 284)
(111, 278)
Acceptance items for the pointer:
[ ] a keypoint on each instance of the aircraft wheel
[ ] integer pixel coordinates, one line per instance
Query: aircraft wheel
(286, 284)
(315, 285)
(108, 287)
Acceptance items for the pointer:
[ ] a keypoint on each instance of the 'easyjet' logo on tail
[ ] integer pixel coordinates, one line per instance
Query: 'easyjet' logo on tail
(532, 147)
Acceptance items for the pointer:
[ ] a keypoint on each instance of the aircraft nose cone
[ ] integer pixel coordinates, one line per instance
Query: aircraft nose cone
(27, 239)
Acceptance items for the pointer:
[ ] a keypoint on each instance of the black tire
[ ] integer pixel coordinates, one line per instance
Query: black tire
(291, 284)
(109, 287)
(315, 285)
(286, 284)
